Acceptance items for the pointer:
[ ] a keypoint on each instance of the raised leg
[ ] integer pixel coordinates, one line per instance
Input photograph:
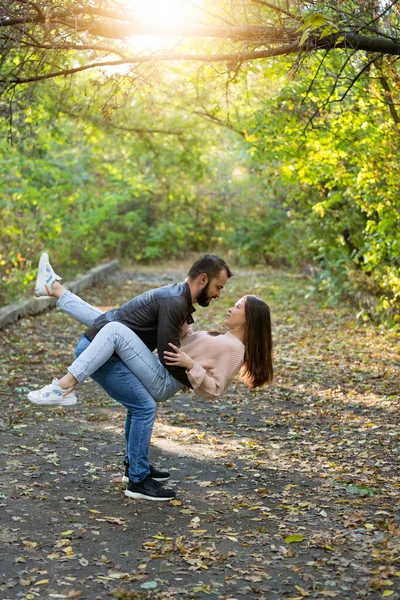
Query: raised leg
(115, 337)
(77, 308)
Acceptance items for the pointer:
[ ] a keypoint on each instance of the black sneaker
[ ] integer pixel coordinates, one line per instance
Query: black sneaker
(148, 489)
(154, 474)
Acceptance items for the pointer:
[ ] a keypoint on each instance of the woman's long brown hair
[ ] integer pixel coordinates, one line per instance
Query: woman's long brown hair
(257, 367)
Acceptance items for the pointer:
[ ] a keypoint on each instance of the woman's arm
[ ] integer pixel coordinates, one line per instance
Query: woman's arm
(210, 383)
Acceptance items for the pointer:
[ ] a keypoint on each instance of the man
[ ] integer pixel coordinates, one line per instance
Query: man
(157, 317)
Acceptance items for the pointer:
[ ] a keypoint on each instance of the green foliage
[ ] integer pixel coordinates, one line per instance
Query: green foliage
(85, 190)
(101, 169)
(340, 174)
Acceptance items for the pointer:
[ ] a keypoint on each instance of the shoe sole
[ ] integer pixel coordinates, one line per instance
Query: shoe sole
(126, 479)
(139, 496)
(64, 403)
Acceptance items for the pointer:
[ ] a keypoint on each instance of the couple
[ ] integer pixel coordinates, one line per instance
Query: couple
(117, 352)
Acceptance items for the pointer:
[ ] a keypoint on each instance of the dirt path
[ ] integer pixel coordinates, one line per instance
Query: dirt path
(289, 492)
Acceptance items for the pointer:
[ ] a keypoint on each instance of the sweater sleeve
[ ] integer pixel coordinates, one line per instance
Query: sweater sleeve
(212, 383)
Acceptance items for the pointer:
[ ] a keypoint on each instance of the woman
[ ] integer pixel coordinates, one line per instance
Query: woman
(211, 359)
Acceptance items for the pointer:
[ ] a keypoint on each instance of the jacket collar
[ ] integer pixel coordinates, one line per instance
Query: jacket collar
(191, 308)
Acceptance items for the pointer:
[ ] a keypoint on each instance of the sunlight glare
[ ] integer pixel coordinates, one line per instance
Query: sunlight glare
(163, 12)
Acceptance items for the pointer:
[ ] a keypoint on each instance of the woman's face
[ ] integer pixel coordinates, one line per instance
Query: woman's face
(236, 317)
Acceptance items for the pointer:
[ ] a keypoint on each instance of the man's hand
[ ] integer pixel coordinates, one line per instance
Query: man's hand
(178, 358)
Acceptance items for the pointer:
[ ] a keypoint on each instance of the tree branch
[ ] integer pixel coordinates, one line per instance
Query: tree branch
(380, 15)
(235, 33)
(69, 46)
(389, 99)
(356, 42)
(112, 125)
(214, 119)
(212, 14)
(170, 56)
(357, 77)
(313, 80)
(119, 26)
(336, 83)
(276, 8)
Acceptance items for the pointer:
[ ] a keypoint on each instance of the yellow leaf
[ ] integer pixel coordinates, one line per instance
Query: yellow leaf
(150, 544)
(42, 582)
(97, 512)
(30, 544)
(302, 591)
(197, 531)
(62, 543)
(304, 37)
(387, 593)
(296, 537)
(67, 532)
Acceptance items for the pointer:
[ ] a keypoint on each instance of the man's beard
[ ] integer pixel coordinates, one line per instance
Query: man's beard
(203, 299)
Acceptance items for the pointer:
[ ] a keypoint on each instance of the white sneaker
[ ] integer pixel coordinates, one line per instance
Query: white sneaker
(45, 278)
(53, 395)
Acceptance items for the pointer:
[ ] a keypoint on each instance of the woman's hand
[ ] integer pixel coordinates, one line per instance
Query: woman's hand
(178, 358)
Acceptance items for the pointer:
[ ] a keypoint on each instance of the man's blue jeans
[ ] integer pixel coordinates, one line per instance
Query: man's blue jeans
(122, 385)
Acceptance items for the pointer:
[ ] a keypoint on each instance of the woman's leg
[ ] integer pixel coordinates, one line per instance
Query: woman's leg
(75, 307)
(48, 284)
(115, 337)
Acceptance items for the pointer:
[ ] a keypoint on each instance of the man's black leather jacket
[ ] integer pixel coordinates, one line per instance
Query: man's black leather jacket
(156, 317)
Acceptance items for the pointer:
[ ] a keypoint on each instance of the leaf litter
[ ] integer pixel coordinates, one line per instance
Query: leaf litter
(287, 492)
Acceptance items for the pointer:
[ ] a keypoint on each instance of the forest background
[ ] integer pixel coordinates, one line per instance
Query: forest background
(266, 131)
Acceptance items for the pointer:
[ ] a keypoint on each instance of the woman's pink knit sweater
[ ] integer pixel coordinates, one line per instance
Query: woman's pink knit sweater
(217, 360)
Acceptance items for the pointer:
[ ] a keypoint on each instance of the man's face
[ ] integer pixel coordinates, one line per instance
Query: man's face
(212, 289)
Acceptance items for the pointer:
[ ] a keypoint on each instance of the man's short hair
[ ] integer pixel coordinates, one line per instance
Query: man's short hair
(211, 265)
